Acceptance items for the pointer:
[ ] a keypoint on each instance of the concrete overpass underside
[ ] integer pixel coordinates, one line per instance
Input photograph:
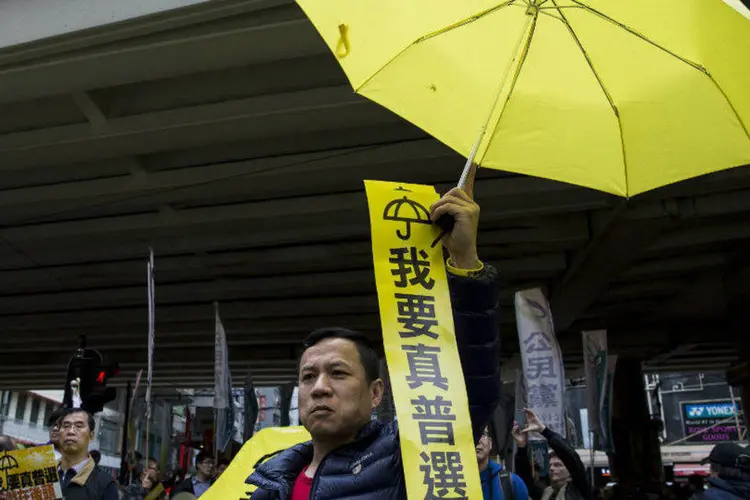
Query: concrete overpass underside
(224, 136)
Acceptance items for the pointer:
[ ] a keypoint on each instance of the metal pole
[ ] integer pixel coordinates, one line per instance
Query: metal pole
(216, 437)
(593, 459)
(736, 409)
(124, 446)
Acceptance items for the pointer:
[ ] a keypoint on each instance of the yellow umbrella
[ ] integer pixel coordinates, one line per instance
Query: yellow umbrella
(621, 96)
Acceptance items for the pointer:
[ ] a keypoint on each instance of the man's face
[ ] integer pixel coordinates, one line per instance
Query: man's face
(558, 473)
(335, 400)
(54, 435)
(75, 434)
(206, 467)
(220, 469)
(484, 447)
(153, 465)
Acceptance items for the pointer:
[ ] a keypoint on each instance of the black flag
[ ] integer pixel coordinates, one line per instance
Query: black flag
(251, 408)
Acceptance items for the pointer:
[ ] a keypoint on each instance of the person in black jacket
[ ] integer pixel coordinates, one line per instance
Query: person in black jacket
(202, 480)
(730, 473)
(80, 477)
(351, 456)
(567, 474)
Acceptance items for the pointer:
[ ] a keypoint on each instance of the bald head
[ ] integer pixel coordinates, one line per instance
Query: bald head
(7, 443)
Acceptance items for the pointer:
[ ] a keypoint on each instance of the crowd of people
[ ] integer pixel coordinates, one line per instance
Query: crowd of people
(339, 387)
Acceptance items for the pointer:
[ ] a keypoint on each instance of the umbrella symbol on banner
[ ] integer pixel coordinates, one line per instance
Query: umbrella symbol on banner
(415, 213)
(7, 462)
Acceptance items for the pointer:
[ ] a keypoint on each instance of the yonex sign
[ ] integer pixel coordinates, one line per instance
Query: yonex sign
(695, 411)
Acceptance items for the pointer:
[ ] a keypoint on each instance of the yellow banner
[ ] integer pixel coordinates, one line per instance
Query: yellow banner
(263, 445)
(437, 445)
(30, 473)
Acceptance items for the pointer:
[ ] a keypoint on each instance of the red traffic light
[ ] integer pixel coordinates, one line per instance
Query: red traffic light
(101, 377)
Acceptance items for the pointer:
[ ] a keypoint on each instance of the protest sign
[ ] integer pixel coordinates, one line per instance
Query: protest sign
(30, 474)
(437, 445)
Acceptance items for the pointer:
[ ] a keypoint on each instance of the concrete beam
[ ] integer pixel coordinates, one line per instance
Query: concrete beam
(615, 245)
(253, 118)
(331, 164)
(25, 21)
(531, 198)
(90, 110)
(240, 274)
(201, 13)
(184, 54)
(241, 309)
(701, 297)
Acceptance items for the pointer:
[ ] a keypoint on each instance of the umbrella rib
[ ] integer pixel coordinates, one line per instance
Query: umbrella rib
(457, 24)
(637, 34)
(690, 63)
(525, 51)
(729, 103)
(611, 102)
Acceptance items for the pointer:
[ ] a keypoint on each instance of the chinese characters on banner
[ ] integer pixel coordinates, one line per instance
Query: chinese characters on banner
(30, 474)
(437, 445)
(541, 358)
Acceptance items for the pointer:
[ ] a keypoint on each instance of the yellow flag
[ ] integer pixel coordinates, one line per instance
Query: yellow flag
(30, 473)
(262, 446)
(437, 444)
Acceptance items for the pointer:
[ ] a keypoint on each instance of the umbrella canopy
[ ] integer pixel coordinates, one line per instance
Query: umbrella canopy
(621, 97)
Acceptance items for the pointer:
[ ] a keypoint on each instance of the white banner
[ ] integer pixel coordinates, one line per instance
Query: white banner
(223, 387)
(542, 359)
(595, 363)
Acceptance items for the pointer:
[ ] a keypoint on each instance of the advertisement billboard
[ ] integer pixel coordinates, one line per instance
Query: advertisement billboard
(710, 421)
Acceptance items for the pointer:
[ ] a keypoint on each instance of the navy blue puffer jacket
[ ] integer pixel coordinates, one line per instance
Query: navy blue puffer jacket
(370, 467)
(725, 489)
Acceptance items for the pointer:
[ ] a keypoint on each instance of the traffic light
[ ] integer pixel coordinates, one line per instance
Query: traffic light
(99, 394)
(87, 376)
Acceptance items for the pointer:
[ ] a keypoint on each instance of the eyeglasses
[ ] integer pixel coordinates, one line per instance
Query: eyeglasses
(78, 426)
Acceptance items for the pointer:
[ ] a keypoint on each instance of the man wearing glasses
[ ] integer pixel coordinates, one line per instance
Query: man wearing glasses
(203, 479)
(53, 422)
(80, 477)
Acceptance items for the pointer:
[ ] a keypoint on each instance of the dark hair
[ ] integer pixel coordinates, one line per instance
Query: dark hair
(55, 417)
(71, 411)
(6, 443)
(202, 456)
(152, 459)
(367, 354)
(223, 461)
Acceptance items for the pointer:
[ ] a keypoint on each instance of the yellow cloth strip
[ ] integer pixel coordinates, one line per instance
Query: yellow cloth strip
(437, 445)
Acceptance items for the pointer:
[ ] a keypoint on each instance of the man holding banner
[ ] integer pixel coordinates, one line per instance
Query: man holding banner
(351, 456)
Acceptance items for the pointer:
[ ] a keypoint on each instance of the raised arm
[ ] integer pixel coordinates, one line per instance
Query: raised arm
(523, 464)
(474, 297)
(565, 452)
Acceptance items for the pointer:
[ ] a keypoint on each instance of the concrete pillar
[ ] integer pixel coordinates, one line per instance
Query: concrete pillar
(27, 410)
(42, 408)
(637, 457)
(13, 403)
